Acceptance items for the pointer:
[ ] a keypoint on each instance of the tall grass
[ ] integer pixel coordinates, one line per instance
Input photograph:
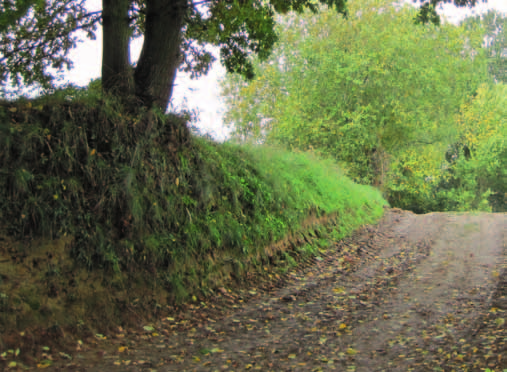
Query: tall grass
(139, 194)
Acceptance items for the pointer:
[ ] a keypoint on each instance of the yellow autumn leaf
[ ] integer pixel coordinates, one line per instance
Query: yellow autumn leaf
(342, 326)
(93, 152)
(177, 181)
(121, 349)
(292, 356)
(44, 364)
(351, 351)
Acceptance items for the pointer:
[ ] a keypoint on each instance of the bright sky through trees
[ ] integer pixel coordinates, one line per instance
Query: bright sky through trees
(203, 94)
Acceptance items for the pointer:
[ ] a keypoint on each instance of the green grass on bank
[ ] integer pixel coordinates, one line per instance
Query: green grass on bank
(138, 199)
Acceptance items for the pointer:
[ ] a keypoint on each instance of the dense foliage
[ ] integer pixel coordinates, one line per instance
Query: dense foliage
(482, 127)
(375, 91)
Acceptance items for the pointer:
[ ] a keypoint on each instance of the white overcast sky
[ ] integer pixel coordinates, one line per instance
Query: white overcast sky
(203, 94)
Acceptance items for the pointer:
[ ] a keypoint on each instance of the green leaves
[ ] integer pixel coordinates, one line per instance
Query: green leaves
(363, 90)
(239, 29)
(482, 127)
(36, 36)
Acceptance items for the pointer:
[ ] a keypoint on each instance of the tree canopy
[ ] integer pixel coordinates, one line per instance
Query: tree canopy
(37, 35)
(376, 92)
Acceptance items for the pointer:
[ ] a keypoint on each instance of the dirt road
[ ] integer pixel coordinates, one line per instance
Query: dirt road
(413, 293)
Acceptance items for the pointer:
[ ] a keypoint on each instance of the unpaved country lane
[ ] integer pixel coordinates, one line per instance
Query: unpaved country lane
(389, 298)
(439, 301)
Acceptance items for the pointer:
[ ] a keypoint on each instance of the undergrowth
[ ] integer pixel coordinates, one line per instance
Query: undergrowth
(136, 193)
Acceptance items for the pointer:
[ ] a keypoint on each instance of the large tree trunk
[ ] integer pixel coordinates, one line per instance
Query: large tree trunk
(117, 74)
(160, 56)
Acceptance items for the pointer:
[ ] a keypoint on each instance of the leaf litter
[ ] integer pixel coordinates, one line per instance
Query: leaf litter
(412, 293)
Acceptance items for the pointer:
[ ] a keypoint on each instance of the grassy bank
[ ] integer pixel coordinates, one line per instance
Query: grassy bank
(106, 214)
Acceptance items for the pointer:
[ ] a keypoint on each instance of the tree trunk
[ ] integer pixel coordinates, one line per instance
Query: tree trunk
(160, 57)
(117, 74)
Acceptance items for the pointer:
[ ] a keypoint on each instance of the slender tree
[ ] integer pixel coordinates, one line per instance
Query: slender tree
(37, 35)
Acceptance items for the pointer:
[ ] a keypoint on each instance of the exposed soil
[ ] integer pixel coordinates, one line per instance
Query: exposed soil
(412, 293)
